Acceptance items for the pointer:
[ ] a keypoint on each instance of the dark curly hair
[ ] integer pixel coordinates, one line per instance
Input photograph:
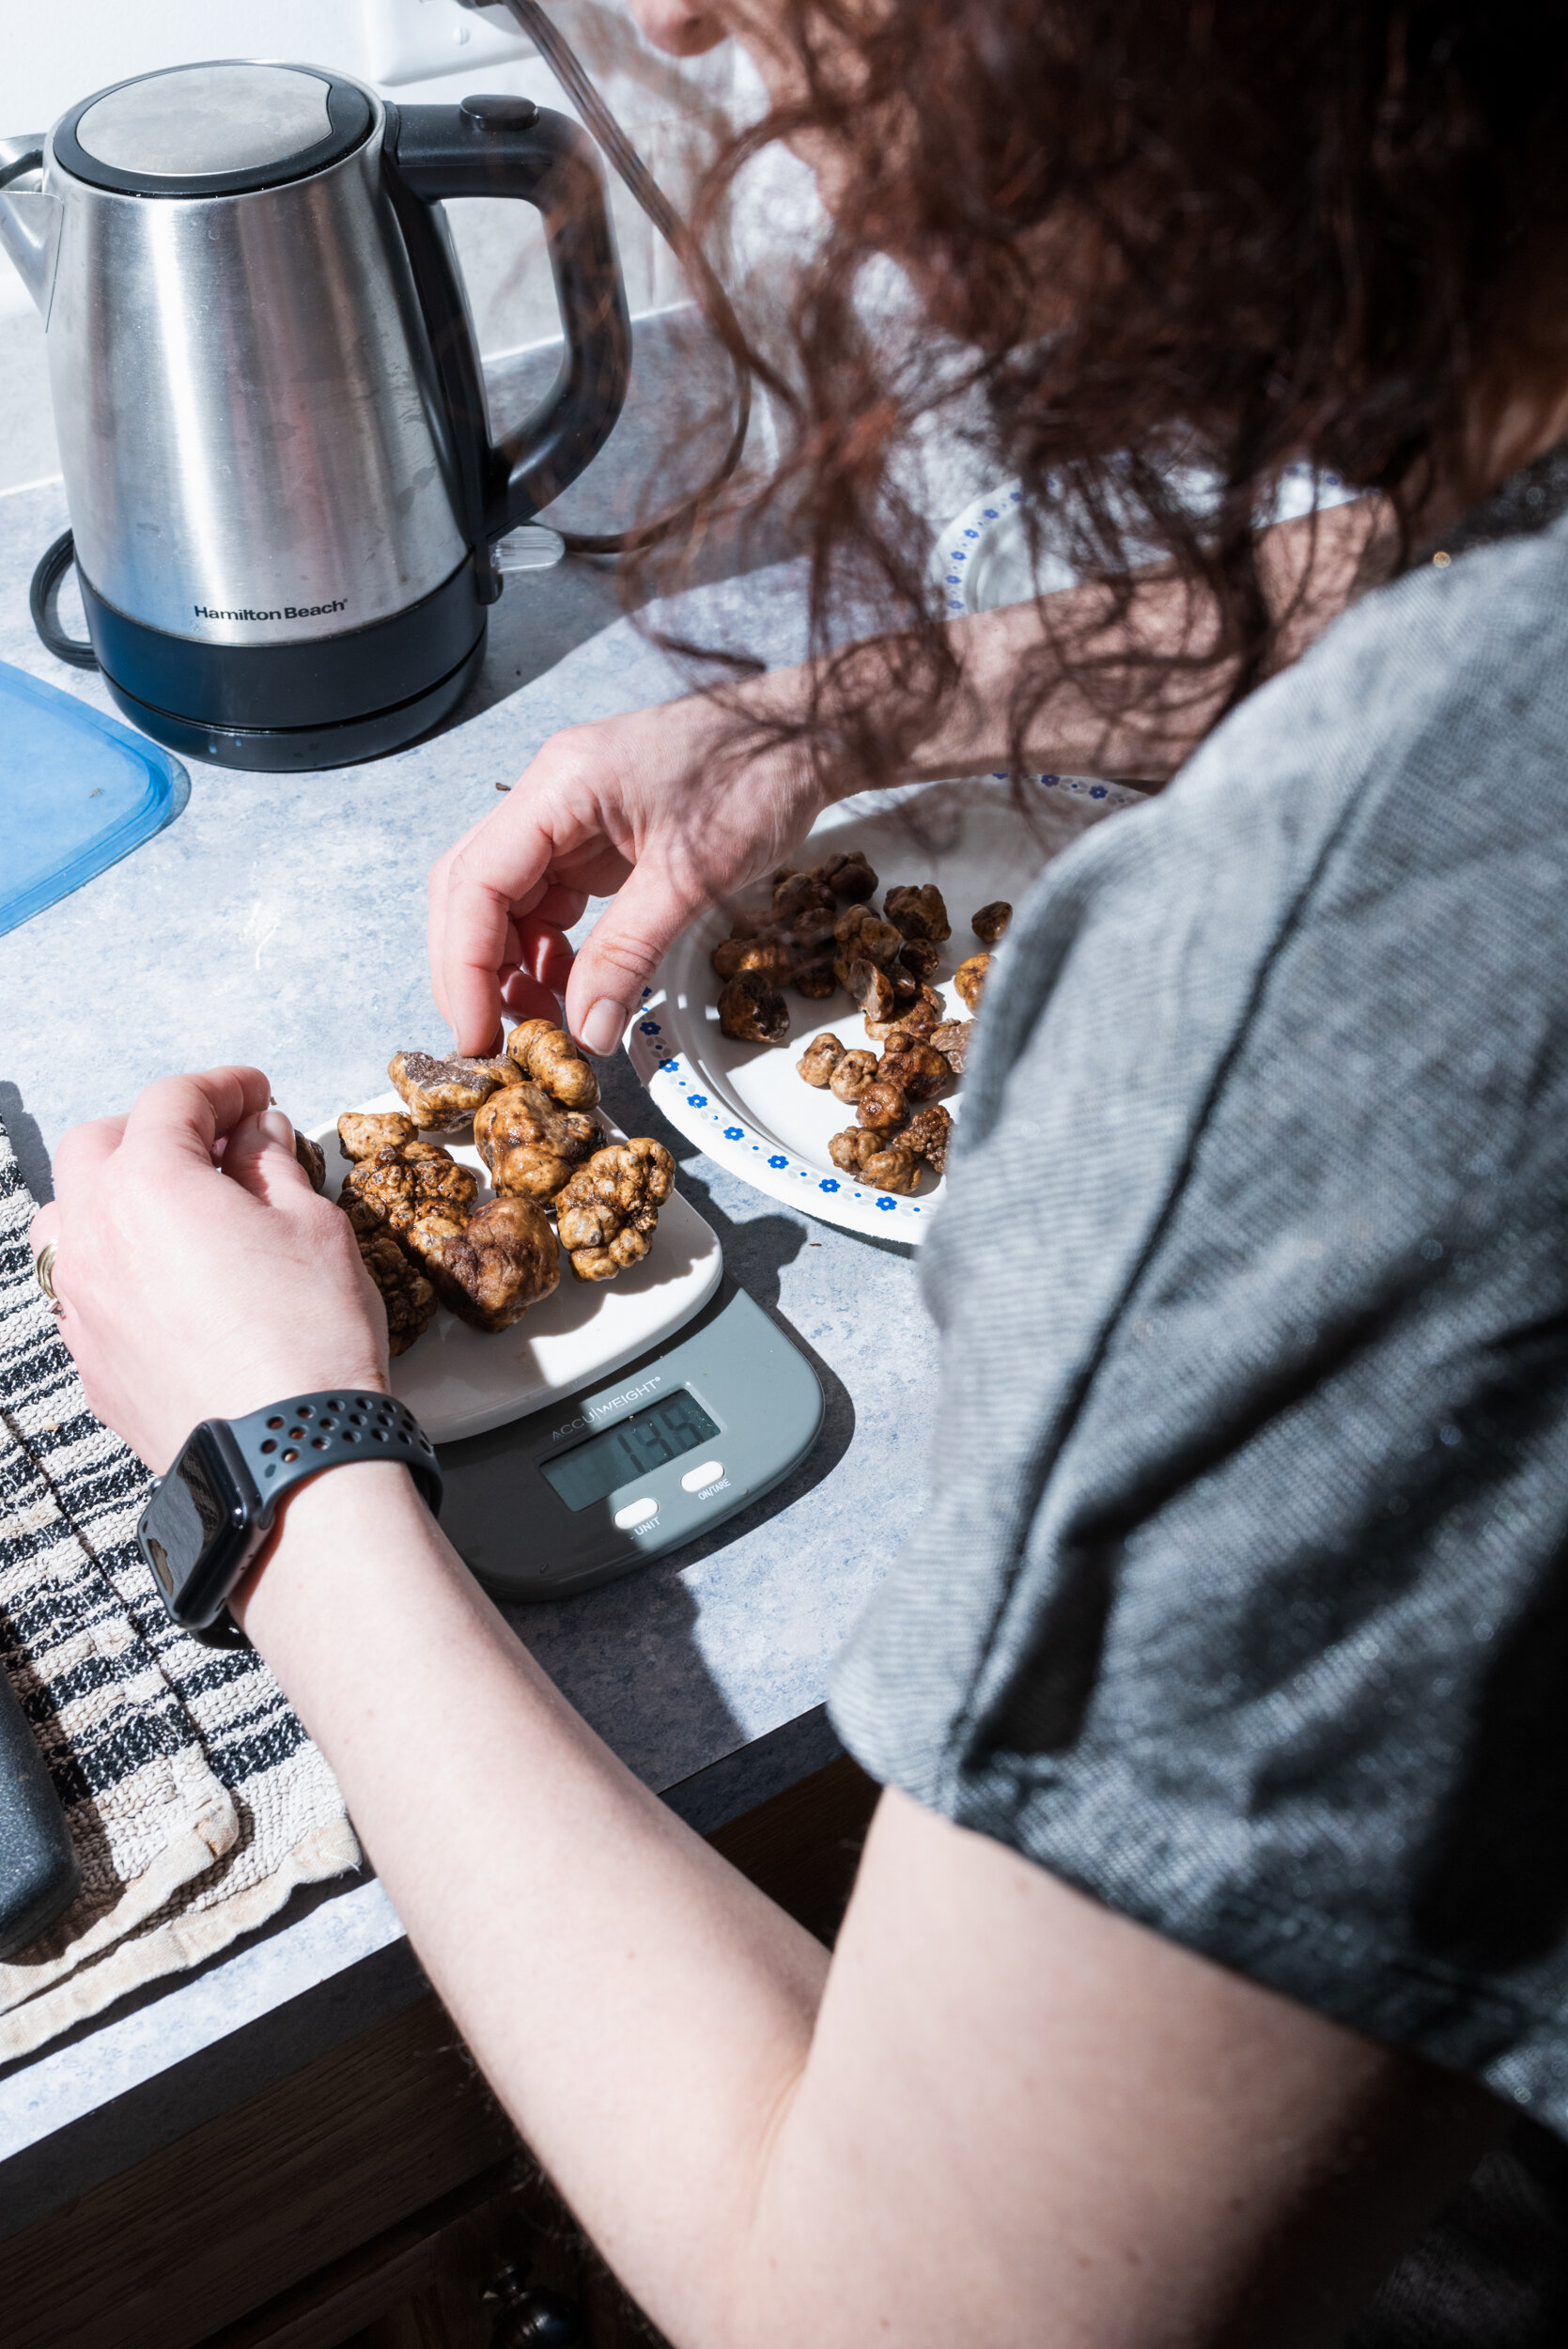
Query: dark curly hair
(1163, 234)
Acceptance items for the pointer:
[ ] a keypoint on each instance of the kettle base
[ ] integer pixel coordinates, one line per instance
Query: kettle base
(289, 749)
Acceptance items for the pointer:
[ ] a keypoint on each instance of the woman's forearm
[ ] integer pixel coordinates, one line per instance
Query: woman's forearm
(1310, 570)
(640, 2009)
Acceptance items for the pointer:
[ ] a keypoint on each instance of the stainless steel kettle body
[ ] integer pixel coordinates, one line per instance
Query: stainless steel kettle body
(271, 414)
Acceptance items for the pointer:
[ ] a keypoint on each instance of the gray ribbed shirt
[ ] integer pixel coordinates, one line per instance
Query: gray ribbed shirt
(1241, 1596)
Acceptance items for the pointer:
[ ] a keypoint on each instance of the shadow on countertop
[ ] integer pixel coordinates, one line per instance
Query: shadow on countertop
(22, 1130)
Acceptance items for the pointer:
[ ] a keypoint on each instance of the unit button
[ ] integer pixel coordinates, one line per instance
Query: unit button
(707, 1473)
(635, 1513)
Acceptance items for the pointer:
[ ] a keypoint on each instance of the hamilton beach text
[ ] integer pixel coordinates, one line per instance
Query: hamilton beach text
(289, 611)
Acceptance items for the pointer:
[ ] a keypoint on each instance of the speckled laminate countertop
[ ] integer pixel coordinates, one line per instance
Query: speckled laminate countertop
(280, 920)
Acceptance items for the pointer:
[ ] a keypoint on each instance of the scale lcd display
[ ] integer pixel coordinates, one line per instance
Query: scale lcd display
(675, 1423)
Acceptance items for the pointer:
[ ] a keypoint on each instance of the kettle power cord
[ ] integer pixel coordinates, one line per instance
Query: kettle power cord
(572, 76)
(52, 566)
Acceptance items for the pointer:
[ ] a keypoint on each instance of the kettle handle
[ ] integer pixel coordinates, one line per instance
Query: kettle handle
(509, 147)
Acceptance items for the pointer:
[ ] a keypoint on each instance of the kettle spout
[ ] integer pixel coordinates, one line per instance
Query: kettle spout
(29, 220)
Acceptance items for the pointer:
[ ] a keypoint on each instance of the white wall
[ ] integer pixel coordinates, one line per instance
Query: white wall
(55, 52)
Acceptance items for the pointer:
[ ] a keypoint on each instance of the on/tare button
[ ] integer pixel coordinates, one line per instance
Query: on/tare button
(636, 1513)
(706, 1472)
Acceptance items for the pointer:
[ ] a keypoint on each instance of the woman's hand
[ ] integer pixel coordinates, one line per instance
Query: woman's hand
(660, 807)
(201, 1276)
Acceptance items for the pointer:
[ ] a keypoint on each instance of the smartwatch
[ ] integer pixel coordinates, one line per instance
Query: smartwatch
(209, 1516)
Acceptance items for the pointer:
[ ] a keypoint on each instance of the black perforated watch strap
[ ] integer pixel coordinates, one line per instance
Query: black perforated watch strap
(289, 1441)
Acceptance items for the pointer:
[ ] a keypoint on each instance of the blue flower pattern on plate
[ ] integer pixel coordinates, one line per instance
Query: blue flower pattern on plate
(733, 1133)
(776, 1162)
(698, 1101)
(649, 1027)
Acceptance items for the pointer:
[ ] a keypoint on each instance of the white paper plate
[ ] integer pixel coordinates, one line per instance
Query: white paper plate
(981, 558)
(457, 1381)
(745, 1104)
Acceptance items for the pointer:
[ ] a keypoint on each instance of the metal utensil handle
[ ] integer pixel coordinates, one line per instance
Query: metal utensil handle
(548, 162)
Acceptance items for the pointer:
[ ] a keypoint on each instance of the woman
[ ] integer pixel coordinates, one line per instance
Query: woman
(1211, 1930)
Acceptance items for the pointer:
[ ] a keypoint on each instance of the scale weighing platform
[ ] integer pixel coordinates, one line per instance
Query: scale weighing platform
(616, 1419)
(672, 1444)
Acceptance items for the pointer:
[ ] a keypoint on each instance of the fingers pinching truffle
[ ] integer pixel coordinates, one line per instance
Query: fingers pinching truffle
(990, 923)
(752, 1010)
(547, 1056)
(970, 980)
(442, 1094)
(918, 912)
(530, 1147)
(362, 1132)
(607, 1213)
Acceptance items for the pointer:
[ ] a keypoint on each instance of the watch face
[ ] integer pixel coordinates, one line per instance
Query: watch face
(196, 1531)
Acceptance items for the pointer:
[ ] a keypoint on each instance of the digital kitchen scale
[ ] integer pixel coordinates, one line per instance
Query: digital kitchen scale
(615, 1419)
(668, 1446)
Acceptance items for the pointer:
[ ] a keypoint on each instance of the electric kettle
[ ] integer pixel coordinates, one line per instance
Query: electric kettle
(271, 419)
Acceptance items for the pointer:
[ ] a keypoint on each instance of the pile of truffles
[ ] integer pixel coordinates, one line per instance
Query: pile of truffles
(422, 1240)
(901, 1128)
(821, 935)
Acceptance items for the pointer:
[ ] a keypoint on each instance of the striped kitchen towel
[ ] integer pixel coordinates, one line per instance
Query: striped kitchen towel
(196, 1801)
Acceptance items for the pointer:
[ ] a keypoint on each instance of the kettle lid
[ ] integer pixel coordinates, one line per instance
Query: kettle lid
(212, 130)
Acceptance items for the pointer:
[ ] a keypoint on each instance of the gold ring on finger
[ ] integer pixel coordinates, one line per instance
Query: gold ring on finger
(44, 1270)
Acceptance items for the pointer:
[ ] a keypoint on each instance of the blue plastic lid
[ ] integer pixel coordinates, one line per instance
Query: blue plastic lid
(77, 792)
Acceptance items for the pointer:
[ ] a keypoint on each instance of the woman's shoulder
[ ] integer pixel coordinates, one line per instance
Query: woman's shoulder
(1418, 754)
